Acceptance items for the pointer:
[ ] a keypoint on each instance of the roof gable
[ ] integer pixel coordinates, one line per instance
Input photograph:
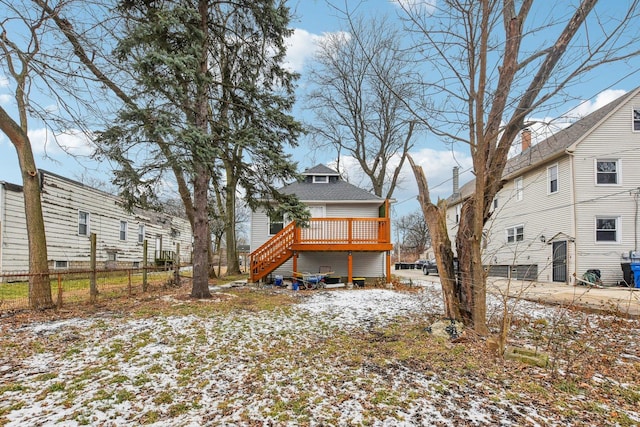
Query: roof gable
(554, 146)
(331, 190)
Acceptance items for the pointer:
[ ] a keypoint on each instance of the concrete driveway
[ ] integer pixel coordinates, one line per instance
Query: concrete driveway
(619, 300)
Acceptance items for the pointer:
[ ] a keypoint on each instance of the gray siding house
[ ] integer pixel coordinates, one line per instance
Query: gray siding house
(349, 233)
(570, 203)
(72, 212)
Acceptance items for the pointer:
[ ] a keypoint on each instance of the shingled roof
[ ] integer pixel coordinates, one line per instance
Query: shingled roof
(333, 190)
(553, 146)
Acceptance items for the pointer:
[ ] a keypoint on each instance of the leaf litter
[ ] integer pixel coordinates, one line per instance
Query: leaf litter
(335, 358)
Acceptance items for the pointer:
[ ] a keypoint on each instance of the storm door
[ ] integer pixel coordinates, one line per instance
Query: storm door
(560, 261)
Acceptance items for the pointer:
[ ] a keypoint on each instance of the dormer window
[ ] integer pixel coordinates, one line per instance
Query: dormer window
(636, 119)
(320, 179)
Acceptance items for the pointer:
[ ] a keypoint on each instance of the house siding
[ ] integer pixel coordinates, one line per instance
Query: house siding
(62, 199)
(532, 213)
(365, 264)
(570, 214)
(614, 139)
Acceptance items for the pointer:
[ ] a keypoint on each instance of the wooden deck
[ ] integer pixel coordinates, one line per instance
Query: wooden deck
(322, 235)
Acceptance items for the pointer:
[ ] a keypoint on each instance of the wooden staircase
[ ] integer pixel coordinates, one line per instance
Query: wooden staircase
(273, 253)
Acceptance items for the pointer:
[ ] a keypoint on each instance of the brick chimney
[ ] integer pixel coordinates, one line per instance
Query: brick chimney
(526, 139)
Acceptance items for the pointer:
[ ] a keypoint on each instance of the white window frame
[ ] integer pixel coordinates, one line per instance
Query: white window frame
(141, 233)
(635, 119)
(512, 233)
(550, 179)
(86, 223)
(618, 172)
(617, 228)
(123, 230)
(271, 222)
(518, 185)
(320, 179)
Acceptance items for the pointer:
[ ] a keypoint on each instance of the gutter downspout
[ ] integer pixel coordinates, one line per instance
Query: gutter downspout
(574, 217)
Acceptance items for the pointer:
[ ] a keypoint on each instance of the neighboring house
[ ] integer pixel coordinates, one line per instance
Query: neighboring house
(570, 203)
(72, 212)
(349, 232)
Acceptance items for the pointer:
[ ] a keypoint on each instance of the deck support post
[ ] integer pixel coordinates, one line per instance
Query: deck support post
(350, 269)
(295, 261)
(388, 266)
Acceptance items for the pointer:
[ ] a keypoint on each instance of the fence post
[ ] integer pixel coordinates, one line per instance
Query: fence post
(176, 266)
(129, 271)
(93, 288)
(144, 266)
(59, 302)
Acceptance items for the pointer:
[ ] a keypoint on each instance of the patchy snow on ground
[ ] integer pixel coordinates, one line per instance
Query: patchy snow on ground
(245, 368)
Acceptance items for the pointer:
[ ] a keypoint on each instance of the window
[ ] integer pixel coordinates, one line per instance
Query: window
(320, 179)
(112, 256)
(458, 214)
(276, 222)
(519, 186)
(123, 230)
(515, 234)
(607, 229)
(607, 172)
(495, 203)
(83, 223)
(636, 119)
(552, 176)
(141, 233)
(61, 264)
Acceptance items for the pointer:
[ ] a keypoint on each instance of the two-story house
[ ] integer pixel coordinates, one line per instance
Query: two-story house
(570, 203)
(72, 212)
(349, 232)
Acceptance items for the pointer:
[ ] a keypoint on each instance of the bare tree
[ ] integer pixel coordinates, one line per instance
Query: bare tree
(415, 233)
(362, 82)
(493, 71)
(22, 63)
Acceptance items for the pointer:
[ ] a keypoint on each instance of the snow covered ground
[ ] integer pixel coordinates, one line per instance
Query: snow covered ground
(294, 365)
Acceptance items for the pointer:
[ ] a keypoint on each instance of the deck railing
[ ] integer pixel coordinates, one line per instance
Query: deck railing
(322, 234)
(345, 231)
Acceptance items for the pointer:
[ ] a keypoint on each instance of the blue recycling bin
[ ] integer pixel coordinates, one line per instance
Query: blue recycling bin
(635, 267)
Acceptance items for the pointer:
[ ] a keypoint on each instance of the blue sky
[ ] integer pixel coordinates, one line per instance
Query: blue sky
(314, 20)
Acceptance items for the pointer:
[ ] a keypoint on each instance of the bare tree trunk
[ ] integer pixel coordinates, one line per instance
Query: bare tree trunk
(201, 179)
(233, 266)
(436, 218)
(200, 287)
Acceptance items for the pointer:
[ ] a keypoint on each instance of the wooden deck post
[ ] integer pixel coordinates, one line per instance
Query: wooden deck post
(350, 269)
(388, 266)
(295, 261)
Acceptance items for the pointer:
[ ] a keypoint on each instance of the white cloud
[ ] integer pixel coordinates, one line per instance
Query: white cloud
(72, 141)
(302, 46)
(602, 99)
(4, 81)
(5, 99)
(438, 168)
(412, 6)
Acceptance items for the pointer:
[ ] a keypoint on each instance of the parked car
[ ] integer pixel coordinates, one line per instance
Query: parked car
(430, 267)
(420, 263)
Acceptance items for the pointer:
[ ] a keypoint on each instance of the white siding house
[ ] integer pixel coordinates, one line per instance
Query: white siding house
(349, 226)
(570, 203)
(72, 212)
